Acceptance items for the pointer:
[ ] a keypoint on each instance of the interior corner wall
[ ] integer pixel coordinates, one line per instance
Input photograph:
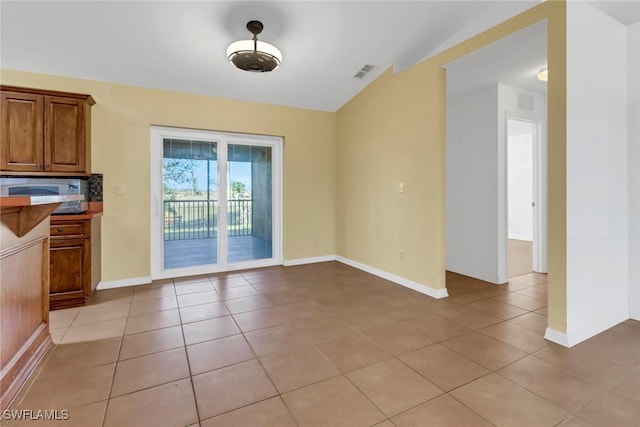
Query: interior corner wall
(476, 202)
(472, 184)
(395, 131)
(388, 135)
(633, 81)
(597, 179)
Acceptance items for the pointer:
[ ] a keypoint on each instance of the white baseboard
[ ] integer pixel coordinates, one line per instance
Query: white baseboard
(311, 260)
(597, 325)
(556, 337)
(134, 281)
(473, 274)
(423, 289)
(634, 314)
(519, 237)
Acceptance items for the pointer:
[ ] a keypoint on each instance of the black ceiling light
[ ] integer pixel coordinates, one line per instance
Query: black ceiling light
(254, 55)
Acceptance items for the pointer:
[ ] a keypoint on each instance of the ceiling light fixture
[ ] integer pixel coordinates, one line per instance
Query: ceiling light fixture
(254, 55)
(543, 75)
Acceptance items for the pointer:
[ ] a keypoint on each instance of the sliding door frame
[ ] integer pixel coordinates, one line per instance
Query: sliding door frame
(222, 140)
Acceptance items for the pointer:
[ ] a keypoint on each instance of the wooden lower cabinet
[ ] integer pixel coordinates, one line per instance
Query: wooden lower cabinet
(70, 261)
(74, 262)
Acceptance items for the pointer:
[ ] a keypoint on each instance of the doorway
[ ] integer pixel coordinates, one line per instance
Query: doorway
(215, 202)
(520, 195)
(484, 89)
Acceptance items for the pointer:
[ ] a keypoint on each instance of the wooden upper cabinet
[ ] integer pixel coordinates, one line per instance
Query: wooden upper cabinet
(45, 132)
(22, 132)
(64, 135)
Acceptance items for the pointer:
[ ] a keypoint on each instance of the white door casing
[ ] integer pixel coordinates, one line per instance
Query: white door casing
(157, 134)
(539, 201)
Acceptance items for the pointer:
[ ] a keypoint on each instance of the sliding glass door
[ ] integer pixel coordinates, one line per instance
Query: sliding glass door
(213, 201)
(249, 202)
(189, 199)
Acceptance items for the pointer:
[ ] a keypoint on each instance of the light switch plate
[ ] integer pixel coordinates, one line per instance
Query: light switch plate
(120, 191)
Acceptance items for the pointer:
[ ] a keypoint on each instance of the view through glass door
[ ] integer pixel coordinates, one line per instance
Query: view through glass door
(249, 203)
(190, 201)
(214, 202)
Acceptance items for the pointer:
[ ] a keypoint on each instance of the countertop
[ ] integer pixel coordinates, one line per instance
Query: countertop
(21, 214)
(18, 201)
(94, 210)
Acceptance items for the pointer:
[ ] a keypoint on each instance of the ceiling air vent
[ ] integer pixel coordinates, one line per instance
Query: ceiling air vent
(364, 71)
(525, 101)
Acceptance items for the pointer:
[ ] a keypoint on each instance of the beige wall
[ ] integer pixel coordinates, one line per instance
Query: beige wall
(390, 134)
(394, 131)
(120, 150)
(557, 168)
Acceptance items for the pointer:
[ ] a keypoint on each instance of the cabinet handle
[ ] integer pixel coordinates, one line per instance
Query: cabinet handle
(46, 165)
(59, 230)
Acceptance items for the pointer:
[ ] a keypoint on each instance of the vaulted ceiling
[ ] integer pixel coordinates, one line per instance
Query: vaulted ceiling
(181, 46)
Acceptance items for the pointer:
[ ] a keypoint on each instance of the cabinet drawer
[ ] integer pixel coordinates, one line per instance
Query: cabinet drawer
(68, 229)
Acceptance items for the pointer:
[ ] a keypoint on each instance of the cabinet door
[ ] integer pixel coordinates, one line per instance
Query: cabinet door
(69, 261)
(21, 138)
(64, 135)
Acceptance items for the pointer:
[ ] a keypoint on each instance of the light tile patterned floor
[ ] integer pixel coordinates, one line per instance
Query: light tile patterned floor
(329, 345)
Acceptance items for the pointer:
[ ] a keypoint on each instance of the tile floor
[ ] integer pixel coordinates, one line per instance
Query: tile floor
(328, 345)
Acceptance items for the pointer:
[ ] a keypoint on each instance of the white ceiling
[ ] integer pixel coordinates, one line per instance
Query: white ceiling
(514, 60)
(181, 46)
(625, 11)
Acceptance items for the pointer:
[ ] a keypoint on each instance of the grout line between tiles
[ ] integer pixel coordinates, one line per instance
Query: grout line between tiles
(332, 312)
(115, 369)
(186, 353)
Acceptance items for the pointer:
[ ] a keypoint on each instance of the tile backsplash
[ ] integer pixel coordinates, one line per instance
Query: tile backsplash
(95, 187)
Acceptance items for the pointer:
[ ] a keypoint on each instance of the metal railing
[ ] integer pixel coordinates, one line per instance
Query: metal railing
(198, 219)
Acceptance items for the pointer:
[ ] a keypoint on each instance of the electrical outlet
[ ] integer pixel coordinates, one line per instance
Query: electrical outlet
(401, 254)
(315, 241)
(401, 187)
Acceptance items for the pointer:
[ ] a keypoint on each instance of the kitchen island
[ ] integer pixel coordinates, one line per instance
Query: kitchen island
(24, 287)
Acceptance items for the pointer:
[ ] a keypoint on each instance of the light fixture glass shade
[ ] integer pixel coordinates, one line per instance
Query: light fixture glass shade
(543, 75)
(246, 45)
(265, 57)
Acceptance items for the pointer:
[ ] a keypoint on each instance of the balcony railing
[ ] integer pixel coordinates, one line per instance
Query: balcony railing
(198, 219)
